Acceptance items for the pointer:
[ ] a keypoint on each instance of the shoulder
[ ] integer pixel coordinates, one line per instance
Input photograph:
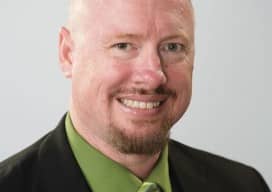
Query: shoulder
(216, 169)
(179, 150)
(20, 170)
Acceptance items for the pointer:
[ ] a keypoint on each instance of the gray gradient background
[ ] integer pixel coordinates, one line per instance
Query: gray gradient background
(231, 108)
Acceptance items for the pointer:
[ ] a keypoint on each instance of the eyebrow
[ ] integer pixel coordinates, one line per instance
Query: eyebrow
(122, 36)
(127, 36)
(173, 37)
(177, 36)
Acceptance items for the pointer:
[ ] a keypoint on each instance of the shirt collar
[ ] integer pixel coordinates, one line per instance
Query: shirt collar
(104, 174)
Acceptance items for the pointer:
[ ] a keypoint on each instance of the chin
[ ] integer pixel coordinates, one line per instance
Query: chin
(139, 137)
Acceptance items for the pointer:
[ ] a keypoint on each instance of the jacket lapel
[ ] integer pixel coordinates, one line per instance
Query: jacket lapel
(59, 170)
(186, 173)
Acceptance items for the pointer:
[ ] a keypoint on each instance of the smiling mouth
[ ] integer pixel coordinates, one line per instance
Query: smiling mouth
(140, 104)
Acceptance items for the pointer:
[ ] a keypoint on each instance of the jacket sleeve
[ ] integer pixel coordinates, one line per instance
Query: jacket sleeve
(263, 184)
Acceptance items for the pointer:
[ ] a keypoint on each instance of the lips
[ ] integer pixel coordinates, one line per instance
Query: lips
(140, 104)
(142, 101)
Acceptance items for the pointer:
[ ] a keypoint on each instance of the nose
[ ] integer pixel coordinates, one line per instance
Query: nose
(149, 73)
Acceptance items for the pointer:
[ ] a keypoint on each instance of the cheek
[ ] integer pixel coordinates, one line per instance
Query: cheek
(102, 81)
(113, 77)
(180, 80)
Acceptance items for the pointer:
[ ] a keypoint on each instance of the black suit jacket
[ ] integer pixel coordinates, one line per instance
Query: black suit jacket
(49, 166)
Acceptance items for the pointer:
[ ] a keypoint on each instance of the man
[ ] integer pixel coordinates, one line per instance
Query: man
(130, 63)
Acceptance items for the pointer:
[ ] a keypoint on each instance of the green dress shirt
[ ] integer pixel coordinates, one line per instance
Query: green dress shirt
(103, 174)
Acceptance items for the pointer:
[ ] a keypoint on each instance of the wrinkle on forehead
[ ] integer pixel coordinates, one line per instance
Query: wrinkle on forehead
(183, 13)
(179, 14)
(94, 9)
(77, 7)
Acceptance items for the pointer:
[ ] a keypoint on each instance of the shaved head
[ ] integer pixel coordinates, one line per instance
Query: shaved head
(79, 9)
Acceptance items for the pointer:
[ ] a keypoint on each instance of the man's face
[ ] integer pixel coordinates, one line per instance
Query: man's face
(131, 73)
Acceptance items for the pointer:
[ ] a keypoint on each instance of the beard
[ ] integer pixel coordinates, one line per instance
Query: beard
(141, 144)
(147, 142)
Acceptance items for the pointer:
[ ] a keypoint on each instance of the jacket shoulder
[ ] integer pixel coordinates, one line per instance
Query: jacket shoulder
(19, 171)
(218, 171)
(205, 158)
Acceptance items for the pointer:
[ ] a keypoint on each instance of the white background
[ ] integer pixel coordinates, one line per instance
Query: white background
(231, 108)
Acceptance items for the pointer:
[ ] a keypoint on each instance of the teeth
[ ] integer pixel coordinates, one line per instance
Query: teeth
(140, 104)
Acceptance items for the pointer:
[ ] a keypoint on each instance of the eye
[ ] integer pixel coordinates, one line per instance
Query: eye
(123, 46)
(123, 50)
(173, 47)
(173, 52)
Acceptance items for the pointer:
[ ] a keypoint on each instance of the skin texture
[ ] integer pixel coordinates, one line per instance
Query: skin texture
(140, 50)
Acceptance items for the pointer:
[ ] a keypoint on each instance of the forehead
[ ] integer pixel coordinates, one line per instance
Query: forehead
(136, 15)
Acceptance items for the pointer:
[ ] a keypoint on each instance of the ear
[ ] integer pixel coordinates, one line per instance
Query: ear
(65, 52)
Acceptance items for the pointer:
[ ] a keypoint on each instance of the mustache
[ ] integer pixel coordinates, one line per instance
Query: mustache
(162, 90)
